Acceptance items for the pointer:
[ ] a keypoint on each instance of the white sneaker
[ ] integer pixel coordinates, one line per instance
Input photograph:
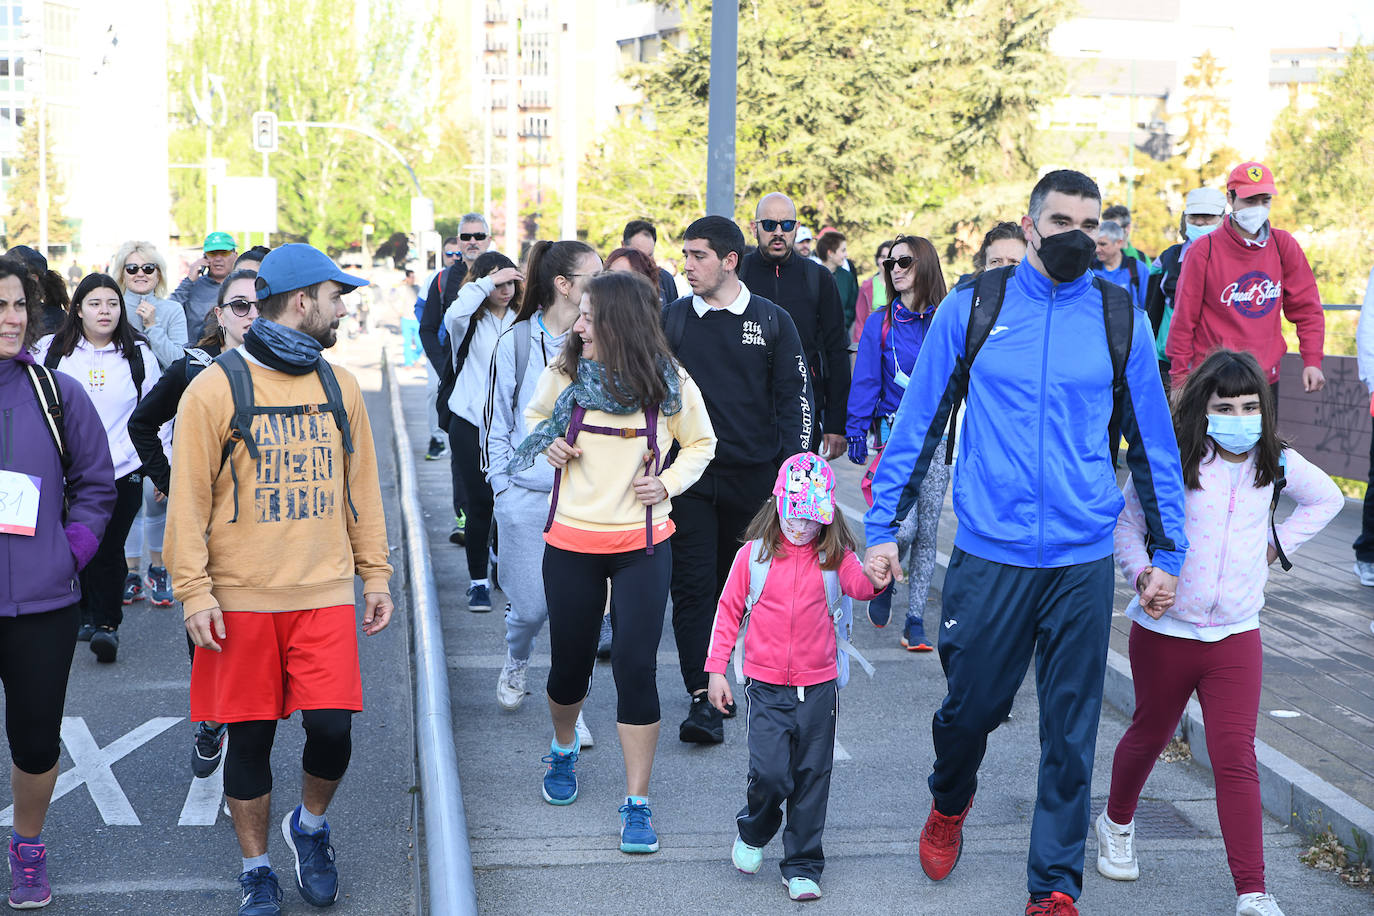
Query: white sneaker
(1257, 905)
(584, 734)
(510, 686)
(1364, 572)
(1116, 850)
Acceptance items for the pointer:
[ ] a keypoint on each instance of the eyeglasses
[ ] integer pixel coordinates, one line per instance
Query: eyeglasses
(903, 262)
(132, 269)
(771, 225)
(241, 307)
(472, 236)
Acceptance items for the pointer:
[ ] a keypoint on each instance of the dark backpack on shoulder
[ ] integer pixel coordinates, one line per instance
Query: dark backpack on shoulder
(1118, 312)
(448, 374)
(246, 408)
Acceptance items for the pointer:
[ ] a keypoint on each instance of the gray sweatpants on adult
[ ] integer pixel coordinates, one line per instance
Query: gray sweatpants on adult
(520, 515)
(916, 537)
(791, 751)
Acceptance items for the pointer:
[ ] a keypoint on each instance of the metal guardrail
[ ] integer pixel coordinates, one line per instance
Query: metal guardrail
(448, 857)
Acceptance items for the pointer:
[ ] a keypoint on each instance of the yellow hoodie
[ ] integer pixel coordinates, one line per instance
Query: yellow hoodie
(295, 544)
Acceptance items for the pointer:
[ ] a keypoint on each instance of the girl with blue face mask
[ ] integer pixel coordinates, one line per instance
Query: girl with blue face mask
(1209, 640)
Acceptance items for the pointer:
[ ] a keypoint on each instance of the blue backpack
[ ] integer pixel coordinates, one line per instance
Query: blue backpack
(841, 612)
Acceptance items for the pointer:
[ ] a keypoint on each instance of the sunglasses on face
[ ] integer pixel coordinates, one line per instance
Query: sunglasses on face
(903, 262)
(241, 307)
(132, 269)
(772, 225)
(452, 254)
(472, 236)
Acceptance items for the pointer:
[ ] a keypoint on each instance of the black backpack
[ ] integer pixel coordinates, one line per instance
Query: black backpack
(245, 409)
(448, 373)
(989, 288)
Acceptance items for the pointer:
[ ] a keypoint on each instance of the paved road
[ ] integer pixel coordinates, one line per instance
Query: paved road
(532, 857)
(137, 835)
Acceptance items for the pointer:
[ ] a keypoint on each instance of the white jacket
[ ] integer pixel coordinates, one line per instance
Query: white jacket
(105, 375)
(469, 398)
(505, 419)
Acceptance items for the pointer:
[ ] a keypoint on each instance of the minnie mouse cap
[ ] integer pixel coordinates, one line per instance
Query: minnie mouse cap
(805, 488)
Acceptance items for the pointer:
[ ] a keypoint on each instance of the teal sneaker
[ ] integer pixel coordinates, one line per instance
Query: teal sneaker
(802, 888)
(637, 828)
(748, 859)
(560, 780)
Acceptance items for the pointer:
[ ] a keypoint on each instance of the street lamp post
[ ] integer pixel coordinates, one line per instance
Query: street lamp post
(720, 138)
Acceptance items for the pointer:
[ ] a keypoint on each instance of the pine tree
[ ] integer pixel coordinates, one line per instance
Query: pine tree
(21, 226)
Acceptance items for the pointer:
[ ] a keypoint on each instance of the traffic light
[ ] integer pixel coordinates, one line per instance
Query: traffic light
(265, 131)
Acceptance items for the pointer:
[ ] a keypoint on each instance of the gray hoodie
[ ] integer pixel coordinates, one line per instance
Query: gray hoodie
(167, 334)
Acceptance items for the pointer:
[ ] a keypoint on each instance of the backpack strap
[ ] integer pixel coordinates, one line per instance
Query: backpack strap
(1279, 484)
(51, 358)
(235, 368)
(574, 427)
(522, 361)
(989, 289)
(758, 575)
(655, 465)
(50, 398)
(137, 371)
(333, 404)
(842, 614)
(1118, 315)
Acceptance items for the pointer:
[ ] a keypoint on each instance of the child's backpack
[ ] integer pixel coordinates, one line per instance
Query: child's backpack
(1279, 484)
(841, 612)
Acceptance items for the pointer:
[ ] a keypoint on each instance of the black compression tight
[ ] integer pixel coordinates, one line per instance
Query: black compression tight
(248, 761)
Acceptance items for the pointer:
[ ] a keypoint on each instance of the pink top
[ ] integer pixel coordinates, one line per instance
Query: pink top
(1221, 588)
(790, 640)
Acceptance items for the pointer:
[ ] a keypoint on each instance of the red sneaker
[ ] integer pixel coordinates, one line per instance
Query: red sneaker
(942, 842)
(1056, 904)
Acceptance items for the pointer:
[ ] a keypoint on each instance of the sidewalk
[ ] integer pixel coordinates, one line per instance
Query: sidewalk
(530, 856)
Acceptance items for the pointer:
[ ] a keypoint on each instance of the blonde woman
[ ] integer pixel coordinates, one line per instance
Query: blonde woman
(141, 273)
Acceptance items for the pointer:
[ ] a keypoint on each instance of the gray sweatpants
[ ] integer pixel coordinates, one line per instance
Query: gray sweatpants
(917, 534)
(520, 516)
(791, 752)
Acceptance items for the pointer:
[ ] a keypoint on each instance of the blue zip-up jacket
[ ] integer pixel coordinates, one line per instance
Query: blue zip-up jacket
(1122, 277)
(872, 389)
(1035, 486)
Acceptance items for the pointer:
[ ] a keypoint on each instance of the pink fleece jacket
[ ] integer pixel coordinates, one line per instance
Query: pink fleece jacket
(1223, 578)
(790, 640)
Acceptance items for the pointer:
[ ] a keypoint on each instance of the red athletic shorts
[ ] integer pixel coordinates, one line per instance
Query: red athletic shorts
(273, 664)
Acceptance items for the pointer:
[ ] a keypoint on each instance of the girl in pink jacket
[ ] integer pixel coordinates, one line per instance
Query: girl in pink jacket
(1209, 640)
(789, 650)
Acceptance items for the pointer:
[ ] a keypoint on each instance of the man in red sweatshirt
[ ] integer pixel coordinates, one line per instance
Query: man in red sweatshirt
(1236, 280)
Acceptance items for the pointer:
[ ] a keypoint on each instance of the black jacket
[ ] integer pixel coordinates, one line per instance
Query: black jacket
(819, 318)
(157, 407)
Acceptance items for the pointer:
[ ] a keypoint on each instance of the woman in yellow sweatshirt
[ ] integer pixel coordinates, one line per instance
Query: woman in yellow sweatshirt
(606, 414)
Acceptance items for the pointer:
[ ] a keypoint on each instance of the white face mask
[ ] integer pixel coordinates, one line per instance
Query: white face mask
(1251, 219)
(799, 531)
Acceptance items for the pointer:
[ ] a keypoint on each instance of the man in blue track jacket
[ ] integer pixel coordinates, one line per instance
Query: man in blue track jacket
(1036, 497)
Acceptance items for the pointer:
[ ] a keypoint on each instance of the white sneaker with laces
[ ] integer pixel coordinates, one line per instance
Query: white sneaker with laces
(1364, 572)
(1257, 905)
(1116, 850)
(510, 686)
(584, 734)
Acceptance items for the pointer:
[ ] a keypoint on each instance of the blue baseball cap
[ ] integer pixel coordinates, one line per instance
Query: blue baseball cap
(296, 266)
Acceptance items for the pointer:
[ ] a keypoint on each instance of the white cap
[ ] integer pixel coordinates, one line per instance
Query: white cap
(1208, 201)
(803, 234)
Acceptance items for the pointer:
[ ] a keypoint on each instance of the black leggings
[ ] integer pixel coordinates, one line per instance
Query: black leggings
(35, 658)
(575, 584)
(248, 761)
(102, 581)
(467, 451)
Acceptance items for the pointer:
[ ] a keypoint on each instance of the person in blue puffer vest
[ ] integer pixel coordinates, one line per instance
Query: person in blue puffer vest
(1037, 502)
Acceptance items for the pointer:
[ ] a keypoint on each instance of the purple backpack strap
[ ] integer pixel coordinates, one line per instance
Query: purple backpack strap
(651, 433)
(574, 427)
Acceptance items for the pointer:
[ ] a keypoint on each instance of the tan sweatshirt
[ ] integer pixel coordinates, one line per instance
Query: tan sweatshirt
(597, 493)
(295, 544)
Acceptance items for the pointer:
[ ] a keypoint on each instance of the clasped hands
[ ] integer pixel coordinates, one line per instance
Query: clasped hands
(1157, 590)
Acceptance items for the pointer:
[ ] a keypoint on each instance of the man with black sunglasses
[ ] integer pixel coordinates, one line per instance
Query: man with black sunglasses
(808, 292)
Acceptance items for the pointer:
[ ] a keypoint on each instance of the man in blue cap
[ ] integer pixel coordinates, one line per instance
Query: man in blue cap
(279, 636)
(199, 292)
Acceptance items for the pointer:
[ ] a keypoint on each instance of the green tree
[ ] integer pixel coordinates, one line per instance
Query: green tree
(319, 61)
(873, 115)
(1207, 113)
(21, 226)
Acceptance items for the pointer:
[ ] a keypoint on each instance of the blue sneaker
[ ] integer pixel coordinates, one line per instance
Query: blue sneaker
(316, 877)
(261, 892)
(914, 636)
(560, 782)
(479, 599)
(880, 608)
(637, 828)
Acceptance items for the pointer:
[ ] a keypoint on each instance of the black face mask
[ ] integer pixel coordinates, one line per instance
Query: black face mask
(1068, 255)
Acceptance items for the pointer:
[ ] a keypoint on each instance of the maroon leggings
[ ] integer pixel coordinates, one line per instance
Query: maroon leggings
(1226, 676)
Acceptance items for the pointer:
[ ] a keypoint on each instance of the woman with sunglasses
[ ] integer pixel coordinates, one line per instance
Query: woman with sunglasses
(97, 346)
(891, 340)
(141, 272)
(234, 312)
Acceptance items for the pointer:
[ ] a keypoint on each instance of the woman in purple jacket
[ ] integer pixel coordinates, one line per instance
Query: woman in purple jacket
(41, 551)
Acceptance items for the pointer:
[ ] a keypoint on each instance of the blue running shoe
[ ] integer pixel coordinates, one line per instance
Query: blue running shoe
(637, 828)
(261, 892)
(880, 608)
(560, 782)
(479, 599)
(914, 636)
(316, 876)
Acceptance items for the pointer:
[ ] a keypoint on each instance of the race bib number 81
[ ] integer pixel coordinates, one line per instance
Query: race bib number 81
(19, 503)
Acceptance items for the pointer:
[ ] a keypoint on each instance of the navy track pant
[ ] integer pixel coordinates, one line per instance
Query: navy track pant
(995, 617)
